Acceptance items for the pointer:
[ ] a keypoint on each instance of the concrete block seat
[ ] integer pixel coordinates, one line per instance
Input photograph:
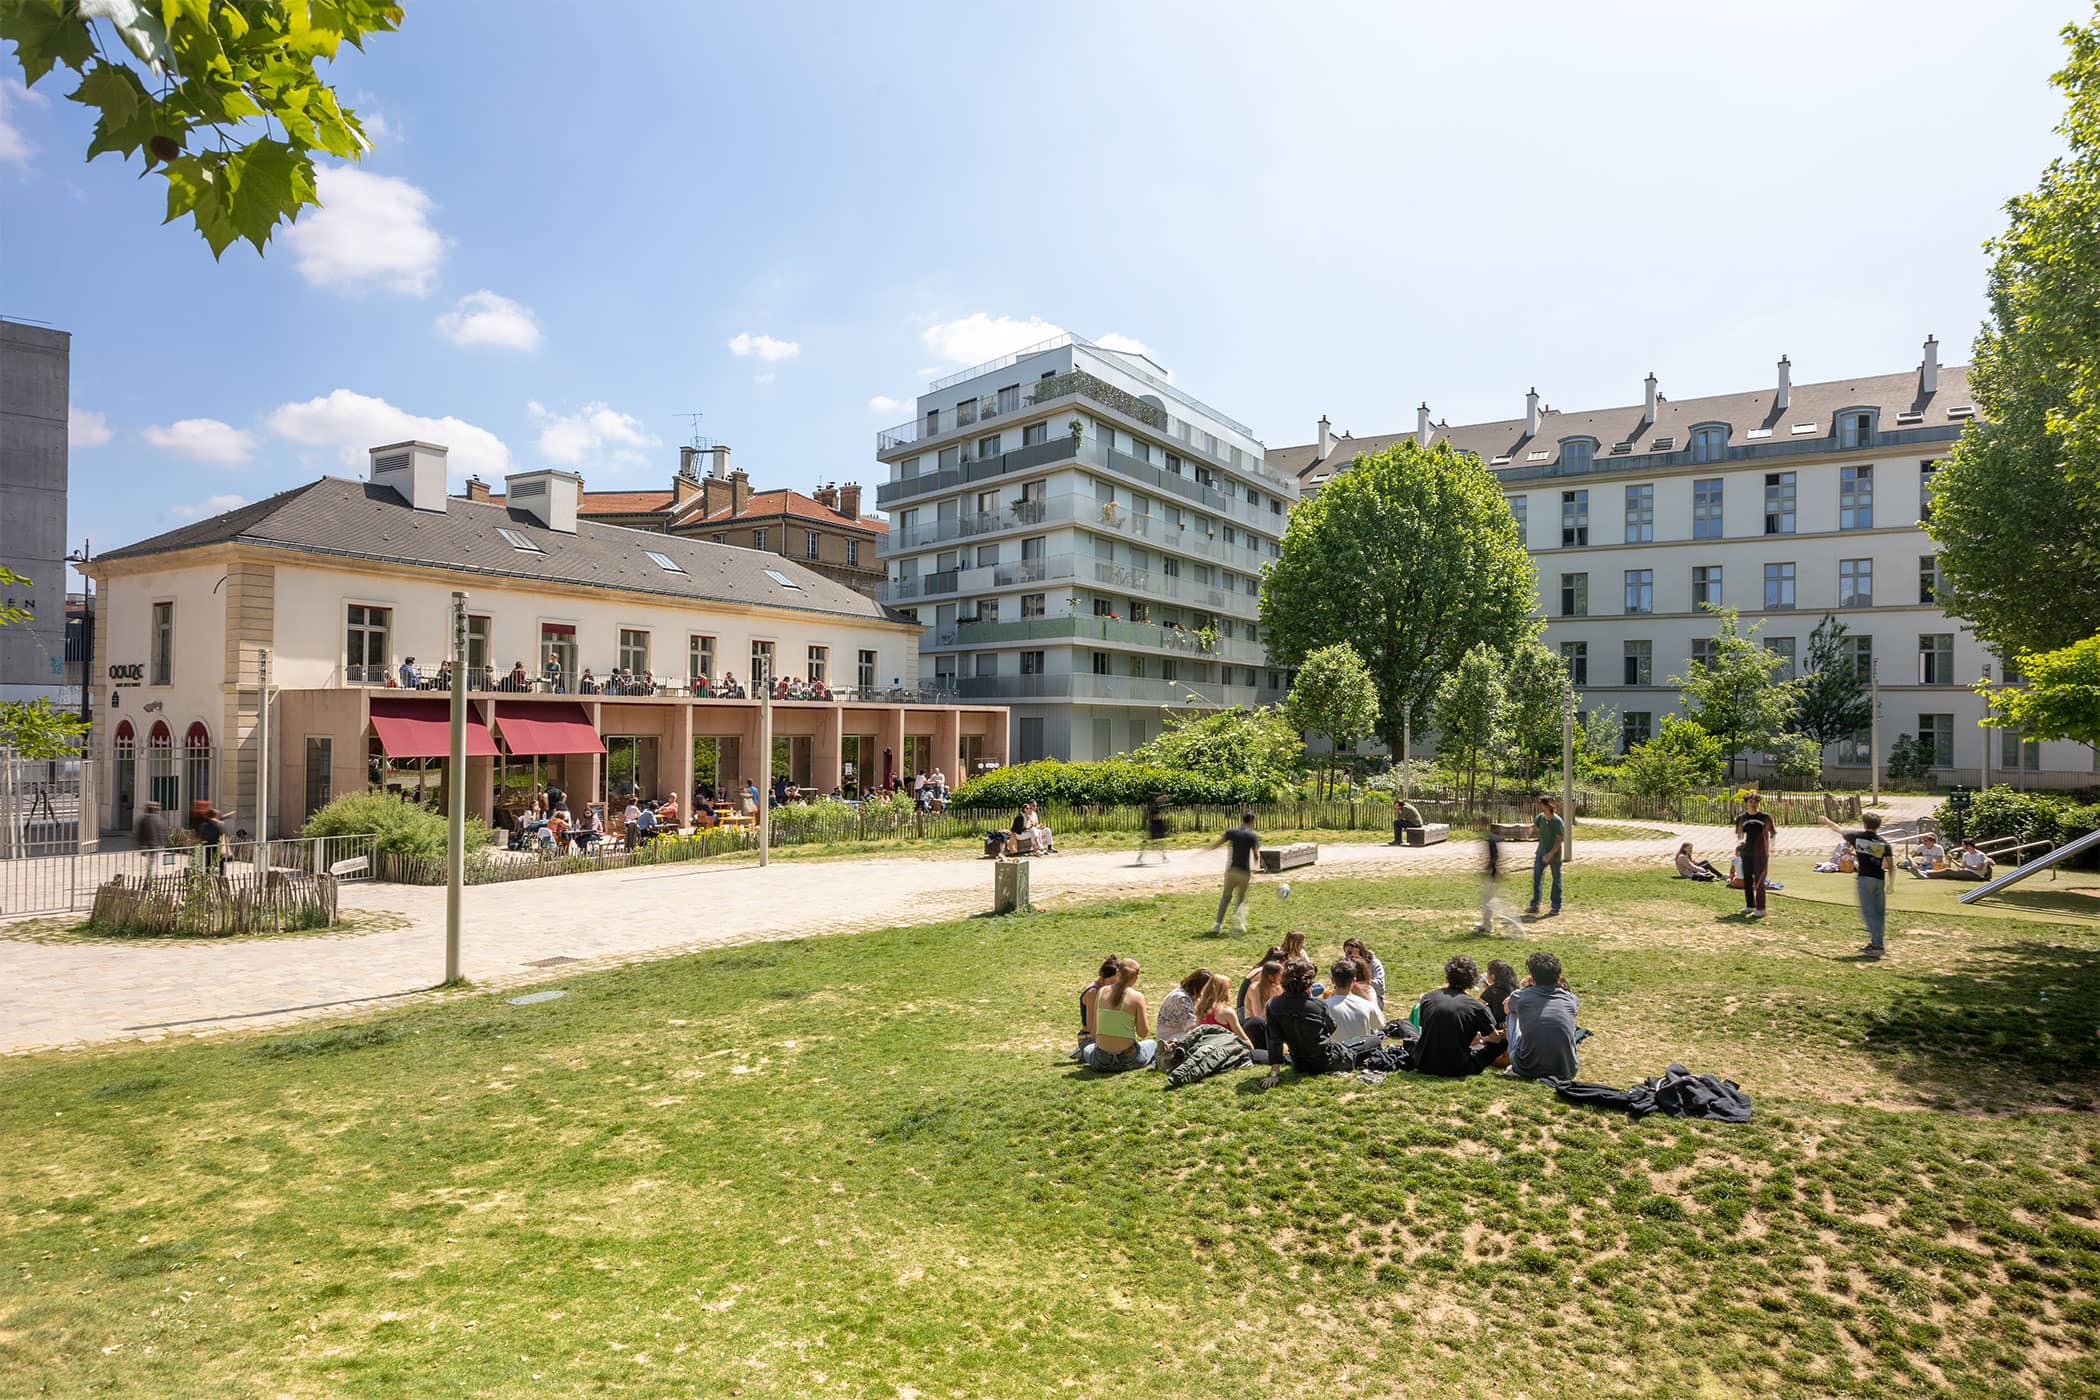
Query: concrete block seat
(1516, 831)
(1429, 834)
(1279, 858)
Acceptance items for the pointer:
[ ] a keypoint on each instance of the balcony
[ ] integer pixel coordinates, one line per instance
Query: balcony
(1081, 630)
(1145, 690)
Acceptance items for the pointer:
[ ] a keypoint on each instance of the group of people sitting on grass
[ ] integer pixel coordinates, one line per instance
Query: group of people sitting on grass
(1690, 866)
(1283, 1015)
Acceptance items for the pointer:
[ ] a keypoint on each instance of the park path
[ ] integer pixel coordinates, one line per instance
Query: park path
(57, 994)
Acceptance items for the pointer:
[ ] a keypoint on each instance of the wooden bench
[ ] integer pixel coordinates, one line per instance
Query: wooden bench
(1429, 834)
(1275, 859)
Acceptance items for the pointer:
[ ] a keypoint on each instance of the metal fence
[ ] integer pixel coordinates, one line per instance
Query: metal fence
(65, 881)
(40, 805)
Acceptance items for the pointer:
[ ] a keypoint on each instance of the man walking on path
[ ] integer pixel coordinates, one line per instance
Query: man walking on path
(1239, 871)
(1493, 909)
(1155, 828)
(1870, 866)
(1552, 836)
(1756, 830)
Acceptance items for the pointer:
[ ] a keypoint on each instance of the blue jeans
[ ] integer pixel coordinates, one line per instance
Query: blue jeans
(1873, 906)
(1116, 1061)
(1538, 871)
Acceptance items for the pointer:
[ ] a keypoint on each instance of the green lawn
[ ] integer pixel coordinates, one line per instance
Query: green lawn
(861, 1165)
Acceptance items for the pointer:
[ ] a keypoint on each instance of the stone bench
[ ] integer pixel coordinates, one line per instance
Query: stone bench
(1516, 831)
(1429, 834)
(1275, 859)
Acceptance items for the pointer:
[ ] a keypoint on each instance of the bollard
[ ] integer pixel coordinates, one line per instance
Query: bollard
(1010, 887)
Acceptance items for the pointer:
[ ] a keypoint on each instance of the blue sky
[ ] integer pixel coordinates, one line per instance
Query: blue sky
(572, 232)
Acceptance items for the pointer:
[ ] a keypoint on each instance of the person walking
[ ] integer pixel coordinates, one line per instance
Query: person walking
(1552, 834)
(1239, 871)
(1493, 908)
(151, 832)
(1871, 857)
(1155, 828)
(1756, 829)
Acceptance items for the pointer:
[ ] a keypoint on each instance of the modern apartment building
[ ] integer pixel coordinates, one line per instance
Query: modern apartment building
(1083, 542)
(35, 370)
(1785, 503)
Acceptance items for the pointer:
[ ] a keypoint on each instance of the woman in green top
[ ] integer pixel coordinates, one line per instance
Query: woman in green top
(1121, 1035)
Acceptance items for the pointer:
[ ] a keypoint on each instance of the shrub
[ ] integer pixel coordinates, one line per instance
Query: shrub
(2003, 811)
(1798, 761)
(1656, 770)
(1115, 782)
(402, 827)
(1701, 751)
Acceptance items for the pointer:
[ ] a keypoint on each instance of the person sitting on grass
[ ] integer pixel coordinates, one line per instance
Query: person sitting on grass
(1839, 861)
(1690, 867)
(1263, 983)
(1969, 864)
(1542, 1033)
(1110, 965)
(1501, 981)
(1735, 868)
(1122, 1040)
(1375, 970)
(1297, 1025)
(1214, 1008)
(1459, 1036)
(1927, 856)
(1350, 1007)
(1177, 1010)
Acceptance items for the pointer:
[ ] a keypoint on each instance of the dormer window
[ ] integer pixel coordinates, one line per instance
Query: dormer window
(1709, 444)
(1577, 454)
(1855, 429)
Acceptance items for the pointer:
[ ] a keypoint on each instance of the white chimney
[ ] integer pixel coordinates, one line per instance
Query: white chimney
(1929, 371)
(1423, 432)
(1786, 383)
(1648, 415)
(550, 497)
(718, 461)
(1326, 438)
(1531, 412)
(415, 471)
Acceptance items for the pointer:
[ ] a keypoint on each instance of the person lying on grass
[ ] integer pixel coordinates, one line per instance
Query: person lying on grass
(1298, 1025)
(1121, 1037)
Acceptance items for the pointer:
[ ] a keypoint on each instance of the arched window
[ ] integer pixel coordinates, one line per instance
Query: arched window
(162, 785)
(196, 762)
(125, 750)
(1576, 454)
(127, 741)
(1709, 444)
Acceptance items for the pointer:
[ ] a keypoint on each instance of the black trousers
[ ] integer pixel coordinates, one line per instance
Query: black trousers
(1755, 864)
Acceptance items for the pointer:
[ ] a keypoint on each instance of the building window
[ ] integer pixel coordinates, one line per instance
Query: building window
(1640, 590)
(1706, 509)
(634, 650)
(1704, 651)
(1855, 429)
(1035, 434)
(988, 447)
(1635, 728)
(724, 539)
(1576, 655)
(1574, 519)
(519, 541)
(987, 663)
(1101, 663)
(1519, 506)
(1779, 586)
(1577, 454)
(1783, 648)
(809, 544)
(1926, 472)
(1929, 579)
(819, 663)
(1859, 651)
(478, 677)
(164, 645)
(1574, 595)
(2017, 753)
(365, 644)
(852, 554)
(1031, 663)
(1779, 503)
(1709, 444)
(699, 658)
(1856, 498)
(196, 763)
(320, 773)
(761, 661)
(1936, 732)
(1706, 585)
(1856, 750)
(1640, 514)
(1936, 658)
(864, 672)
(1009, 398)
(1640, 663)
(1855, 583)
(966, 413)
(758, 539)
(1034, 605)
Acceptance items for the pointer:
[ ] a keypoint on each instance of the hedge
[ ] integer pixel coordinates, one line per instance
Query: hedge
(1111, 783)
(402, 828)
(2001, 811)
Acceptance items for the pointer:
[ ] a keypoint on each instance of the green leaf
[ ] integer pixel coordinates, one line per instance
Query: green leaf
(45, 32)
(266, 183)
(129, 112)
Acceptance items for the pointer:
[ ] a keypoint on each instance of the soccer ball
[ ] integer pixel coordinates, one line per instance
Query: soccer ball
(1283, 891)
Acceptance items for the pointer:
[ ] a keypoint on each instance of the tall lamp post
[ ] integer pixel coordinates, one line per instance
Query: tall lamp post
(765, 759)
(1567, 776)
(1874, 729)
(456, 790)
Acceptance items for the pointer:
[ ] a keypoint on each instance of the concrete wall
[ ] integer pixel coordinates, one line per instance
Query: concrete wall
(34, 386)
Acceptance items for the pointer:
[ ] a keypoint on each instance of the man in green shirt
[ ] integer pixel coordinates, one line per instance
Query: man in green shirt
(1553, 835)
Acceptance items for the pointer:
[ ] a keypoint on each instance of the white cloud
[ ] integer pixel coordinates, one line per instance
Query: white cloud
(15, 148)
(204, 440)
(354, 423)
(883, 403)
(596, 433)
(978, 337)
(764, 346)
(485, 318)
(370, 229)
(1130, 344)
(378, 126)
(210, 505)
(85, 429)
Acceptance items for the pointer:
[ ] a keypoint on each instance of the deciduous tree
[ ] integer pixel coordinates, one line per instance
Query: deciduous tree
(1471, 712)
(1334, 696)
(1736, 697)
(2058, 698)
(1259, 745)
(1833, 702)
(1539, 696)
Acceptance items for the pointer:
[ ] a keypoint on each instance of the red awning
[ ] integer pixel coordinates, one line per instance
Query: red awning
(553, 728)
(423, 728)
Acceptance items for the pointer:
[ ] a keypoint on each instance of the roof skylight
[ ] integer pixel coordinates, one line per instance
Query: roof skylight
(519, 541)
(664, 562)
(783, 580)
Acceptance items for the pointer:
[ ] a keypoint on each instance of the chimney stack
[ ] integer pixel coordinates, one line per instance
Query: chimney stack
(826, 496)
(1648, 414)
(689, 462)
(1929, 371)
(718, 461)
(1326, 439)
(477, 489)
(550, 497)
(1423, 431)
(739, 490)
(1531, 412)
(849, 500)
(414, 471)
(1786, 383)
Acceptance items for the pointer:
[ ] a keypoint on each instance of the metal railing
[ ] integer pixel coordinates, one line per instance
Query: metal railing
(65, 882)
(1188, 641)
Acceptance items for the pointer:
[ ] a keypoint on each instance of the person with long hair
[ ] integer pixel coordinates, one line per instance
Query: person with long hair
(1374, 970)
(1690, 867)
(1122, 1038)
(1110, 965)
(1214, 1008)
(1177, 1010)
(1262, 984)
(1298, 1025)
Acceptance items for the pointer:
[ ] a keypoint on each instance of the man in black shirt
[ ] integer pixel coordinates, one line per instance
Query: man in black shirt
(1756, 830)
(1239, 871)
(1451, 1019)
(1870, 867)
(1300, 1022)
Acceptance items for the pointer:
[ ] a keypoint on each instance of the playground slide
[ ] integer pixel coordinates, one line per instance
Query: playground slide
(2033, 867)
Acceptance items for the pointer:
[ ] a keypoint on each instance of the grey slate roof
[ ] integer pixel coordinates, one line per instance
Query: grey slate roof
(1818, 404)
(356, 520)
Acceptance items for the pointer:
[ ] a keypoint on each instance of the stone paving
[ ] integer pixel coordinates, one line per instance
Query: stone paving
(73, 994)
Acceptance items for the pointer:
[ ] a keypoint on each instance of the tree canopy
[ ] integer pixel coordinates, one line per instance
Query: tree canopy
(1260, 745)
(1412, 557)
(1737, 697)
(2058, 698)
(2016, 505)
(1833, 702)
(1540, 694)
(1471, 712)
(221, 97)
(1334, 696)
